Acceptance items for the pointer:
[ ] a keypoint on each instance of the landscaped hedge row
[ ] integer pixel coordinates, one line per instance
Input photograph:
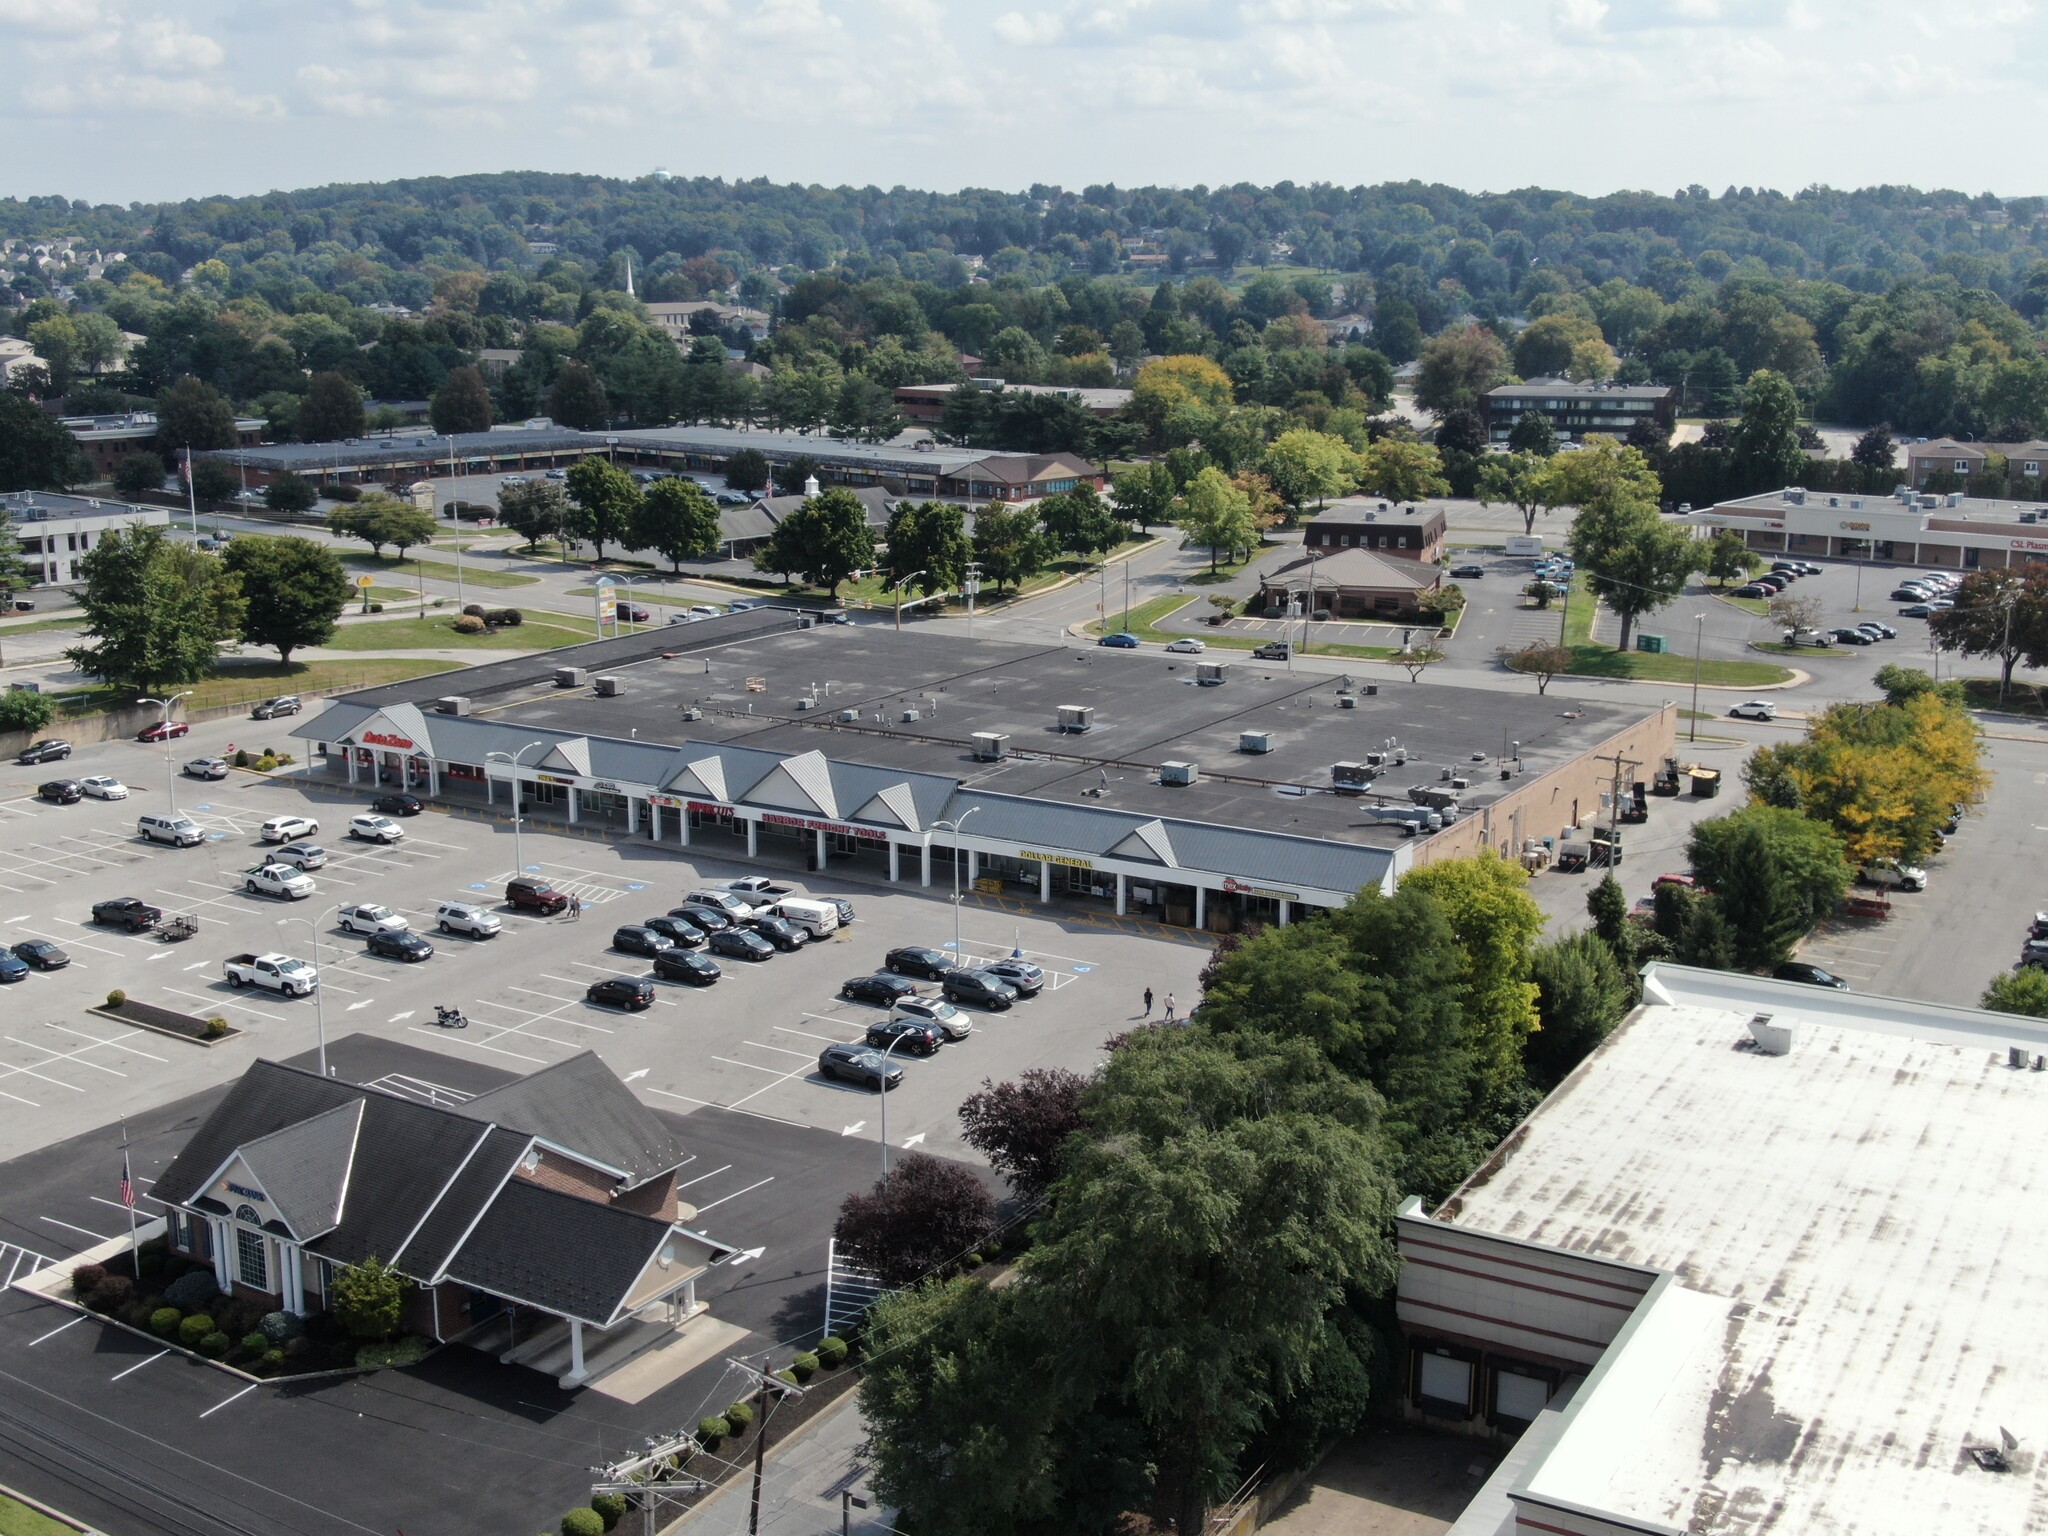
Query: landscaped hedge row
(178, 1301)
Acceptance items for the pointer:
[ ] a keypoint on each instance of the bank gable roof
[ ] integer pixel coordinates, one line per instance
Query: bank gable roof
(700, 776)
(303, 1168)
(1147, 841)
(581, 1106)
(1364, 568)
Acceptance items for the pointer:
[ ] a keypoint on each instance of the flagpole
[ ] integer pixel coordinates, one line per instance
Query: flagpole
(128, 1199)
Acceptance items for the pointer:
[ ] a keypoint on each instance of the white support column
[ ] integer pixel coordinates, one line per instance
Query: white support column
(925, 854)
(576, 1372)
(433, 778)
(683, 825)
(895, 850)
(1045, 879)
(973, 865)
(491, 789)
(1201, 906)
(1123, 893)
(571, 789)
(632, 816)
(753, 839)
(654, 820)
(820, 836)
(348, 758)
(223, 1240)
(1286, 913)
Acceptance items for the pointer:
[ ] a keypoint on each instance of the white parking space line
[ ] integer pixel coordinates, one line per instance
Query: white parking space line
(95, 1236)
(18, 1071)
(684, 1098)
(777, 1049)
(32, 1343)
(714, 1173)
(57, 1056)
(216, 1408)
(227, 1002)
(117, 1205)
(857, 1029)
(98, 949)
(775, 1072)
(481, 1045)
(714, 1205)
(559, 1002)
(114, 1040)
(139, 1365)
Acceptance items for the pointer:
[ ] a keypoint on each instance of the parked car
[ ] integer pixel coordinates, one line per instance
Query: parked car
(681, 965)
(43, 954)
(536, 896)
(50, 751)
(207, 768)
(129, 912)
(905, 1035)
(632, 993)
(751, 886)
(722, 900)
(301, 855)
(710, 919)
(61, 791)
(371, 828)
(398, 805)
(937, 1012)
(1909, 594)
(1907, 877)
(636, 939)
(1186, 646)
(269, 879)
(977, 988)
(881, 989)
(858, 1064)
(164, 730)
(1878, 627)
(679, 931)
(704, 611)
(1918, 611)
(1273, 650)
(915, 960)
(104, 786)
(1811, 975)
(368, 917)
(779, 931)
(178, 831)
(406, 946)
(288, 829)
(1467, 572)
(845, 907)
(1751, 589)
(636, 613)
(1121, 640)
(272, 709)
(1755, 709)
(467, 917)
(12, 968)
(740, 944)
(1846, 636)
(1024, 978)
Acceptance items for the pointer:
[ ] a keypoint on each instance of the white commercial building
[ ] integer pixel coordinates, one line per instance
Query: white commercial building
(55, 532)
(1770, 1260)
(1904, 528)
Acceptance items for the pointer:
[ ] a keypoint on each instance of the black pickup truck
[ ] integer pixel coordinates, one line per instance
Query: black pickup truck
(130, 912)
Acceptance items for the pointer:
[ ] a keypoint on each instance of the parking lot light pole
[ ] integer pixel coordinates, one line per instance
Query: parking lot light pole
(319, 986)
(170, 774)
(885, 1100)
(518, 855)
(1699, 629)
(461, 600)
(954, 827)
(898, 589)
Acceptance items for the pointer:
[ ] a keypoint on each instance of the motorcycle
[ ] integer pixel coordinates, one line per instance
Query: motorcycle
(449, 1018)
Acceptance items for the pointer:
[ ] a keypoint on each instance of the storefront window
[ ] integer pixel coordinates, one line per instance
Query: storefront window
(251, 1260)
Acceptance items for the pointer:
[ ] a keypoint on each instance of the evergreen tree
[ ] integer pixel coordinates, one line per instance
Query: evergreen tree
(461, 404)
(1581, 994)
(332, 410)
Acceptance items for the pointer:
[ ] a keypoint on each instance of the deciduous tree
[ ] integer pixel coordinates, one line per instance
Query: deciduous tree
(293, 590)
(156, 611)
(1485, 900)
(1079, 520)
(381, 518)
(1022, 1126)
(2024, 991)
(1009, 545)
(138, 474)
(825, 540)
(1633, 562)
(1729, 557)
(603, 501)
(288, 492)
(1217, 514)
(677, 520)
(1304, 465)
(332, 410)
(461, 404)
(192, 414)
(924, 1217)
(1581, 994)
(747, 470)
(1766, 439)
(1773, 874)
(1458, 367)
(1401, 470)
(1540, 659)
(1521, 480)
(929, 537)
(535, 511)
(577, 398)
(2001, 613)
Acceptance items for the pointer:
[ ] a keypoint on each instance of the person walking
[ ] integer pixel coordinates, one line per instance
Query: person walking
(575, 908)
(1148, 1002)
(1169, 1007)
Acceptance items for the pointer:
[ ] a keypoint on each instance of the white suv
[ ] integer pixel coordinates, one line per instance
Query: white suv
(465, 917)
(288, 829)
(375, 829)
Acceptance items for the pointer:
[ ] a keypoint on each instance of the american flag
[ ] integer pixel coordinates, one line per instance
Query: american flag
(127, 1182)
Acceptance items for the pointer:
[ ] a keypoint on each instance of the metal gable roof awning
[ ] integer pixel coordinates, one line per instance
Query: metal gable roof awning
(800, 783)
(572, 756)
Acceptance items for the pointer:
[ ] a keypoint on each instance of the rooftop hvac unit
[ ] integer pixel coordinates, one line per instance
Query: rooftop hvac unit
(1347, 701)
(568, 677)
(1077, 718)
(991, 746)
(1353, 778)
(1955, 498)
(1772, 1038)
(1255, 742)
(1178, 773)
(805, 703)
(849, 716)
(1209, 674)
(454, 704)
(693, 713)
(807, 621)
(911, 717)
(1461, 783)
(607, 687)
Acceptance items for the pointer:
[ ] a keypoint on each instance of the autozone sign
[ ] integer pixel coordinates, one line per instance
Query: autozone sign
(385, 739)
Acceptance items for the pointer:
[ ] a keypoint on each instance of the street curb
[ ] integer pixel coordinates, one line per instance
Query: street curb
(46, 1512)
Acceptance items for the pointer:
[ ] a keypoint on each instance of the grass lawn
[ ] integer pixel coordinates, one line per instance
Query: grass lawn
(246, 682)
(439, 570)
(1145, 618)
(1591, 660)
(1225, 569)
(41, 626)
(18, 1519)
(426, 633)
(643, 594)
(1760, 606)
(2020, 698)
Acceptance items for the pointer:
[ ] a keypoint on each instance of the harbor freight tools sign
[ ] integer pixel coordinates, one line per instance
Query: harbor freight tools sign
(809, 825)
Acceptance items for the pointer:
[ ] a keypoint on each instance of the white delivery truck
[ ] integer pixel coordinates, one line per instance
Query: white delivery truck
(816, 918)
(1524, 546)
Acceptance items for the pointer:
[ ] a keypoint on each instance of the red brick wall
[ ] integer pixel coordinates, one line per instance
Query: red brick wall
(570, 1178)
(657, 1197)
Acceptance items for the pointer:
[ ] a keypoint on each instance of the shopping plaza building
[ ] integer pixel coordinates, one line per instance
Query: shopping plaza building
(1208, 794)
(1904, 528)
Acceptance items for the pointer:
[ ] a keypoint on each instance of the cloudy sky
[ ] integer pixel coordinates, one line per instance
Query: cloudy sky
(145, 99)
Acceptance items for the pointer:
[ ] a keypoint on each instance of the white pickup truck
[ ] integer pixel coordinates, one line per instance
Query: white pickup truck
(277, 880)
(280, 973)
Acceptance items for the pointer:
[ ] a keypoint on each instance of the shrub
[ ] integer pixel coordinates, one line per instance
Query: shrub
(272, 1360)
(111, 1294)
(164, 1320)
(367, 1298)
(214, 1345)
(474, 610)
(342, 492)
(279, 1326)
(739, 1416)
(407, 1351)
(713, 1429)
(149, 1266)
(195, 1328)
(265, 763)
(470, 625)
(191, 1292)
(86, 1278)
(254, 1343)
(504, 618)
(242, 757)
(831, 1352)
(804, 1367)
(610, 1507)
(376, 607)
(136, 1314)
(116, 998)
(584, 1521)
(297, 1348)
(216, 1027)
(788, 1376)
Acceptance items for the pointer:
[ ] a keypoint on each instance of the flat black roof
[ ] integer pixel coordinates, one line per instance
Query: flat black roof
(1147, 707)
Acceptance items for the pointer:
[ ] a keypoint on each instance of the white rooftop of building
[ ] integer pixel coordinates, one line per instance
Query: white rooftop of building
(1859, 1249)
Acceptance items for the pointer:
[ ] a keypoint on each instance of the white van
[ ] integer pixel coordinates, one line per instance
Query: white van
(179, 831)
(732, 906)
(816, 918)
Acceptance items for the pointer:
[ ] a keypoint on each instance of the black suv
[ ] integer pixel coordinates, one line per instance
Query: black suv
(398, 805)
(681, 965)
(636, 940)
(880, 989)
(628, 992)
(1811, 975)
(710, 919)
(905, 1035)
(912, 960)
(130, 912)
(977, 988)
(61, 791)
(679, 931)
(536, 895)
(779, 931)
(45, 752)
(400, 945)
(858, 1064)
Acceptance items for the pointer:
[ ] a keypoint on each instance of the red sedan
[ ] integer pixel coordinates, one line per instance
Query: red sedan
(165, 730)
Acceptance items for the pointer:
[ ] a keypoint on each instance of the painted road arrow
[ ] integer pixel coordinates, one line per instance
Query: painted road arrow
(633, 1077)
(911, 1141)
(746, 1255)
(854, 1128)
(400, 1018)
(352, 1007)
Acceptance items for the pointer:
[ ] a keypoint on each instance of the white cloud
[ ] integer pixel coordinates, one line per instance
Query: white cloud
(1041, 29)
(1580, 15)
(50, 16)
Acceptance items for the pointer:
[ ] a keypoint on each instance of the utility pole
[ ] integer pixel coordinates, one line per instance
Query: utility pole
(1614, 805)
(973, 585)
(764, 1384)
(1699, 627)
(2005, 647)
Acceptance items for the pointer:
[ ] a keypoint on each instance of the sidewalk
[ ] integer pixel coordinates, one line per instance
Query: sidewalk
(800, 1488)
